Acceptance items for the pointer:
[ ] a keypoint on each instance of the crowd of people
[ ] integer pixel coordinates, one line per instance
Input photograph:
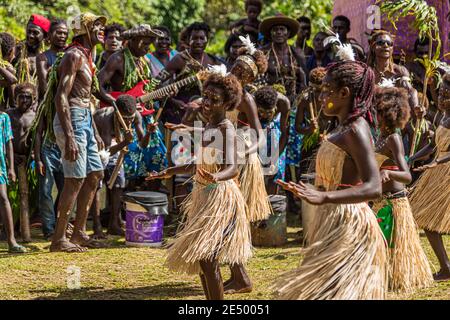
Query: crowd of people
(359, 122)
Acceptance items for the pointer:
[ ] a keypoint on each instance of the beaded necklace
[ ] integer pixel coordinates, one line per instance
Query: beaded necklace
(290, 74)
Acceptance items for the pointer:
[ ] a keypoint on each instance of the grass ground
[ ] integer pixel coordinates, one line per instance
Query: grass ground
(120, 272)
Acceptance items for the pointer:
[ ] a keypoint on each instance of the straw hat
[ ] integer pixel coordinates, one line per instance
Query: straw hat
(277, 20)
(82, 23)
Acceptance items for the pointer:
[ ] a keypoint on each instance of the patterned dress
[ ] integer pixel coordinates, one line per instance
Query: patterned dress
(139, 161)
(295, 142)
(273, 134)
(5, 136)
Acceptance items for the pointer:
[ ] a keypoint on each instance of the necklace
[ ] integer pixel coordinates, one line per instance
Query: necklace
(200, 64)
(290, 74)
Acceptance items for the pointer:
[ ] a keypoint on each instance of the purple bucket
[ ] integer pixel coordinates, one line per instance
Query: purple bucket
(145, 212)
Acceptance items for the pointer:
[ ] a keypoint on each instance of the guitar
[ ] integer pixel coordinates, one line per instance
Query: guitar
(143, 98)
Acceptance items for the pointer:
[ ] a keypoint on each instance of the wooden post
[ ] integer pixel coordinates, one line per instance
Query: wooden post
(24, 202)
(169, 182)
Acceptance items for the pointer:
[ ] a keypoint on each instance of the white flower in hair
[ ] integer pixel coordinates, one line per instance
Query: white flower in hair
(248, 44)
(218, 69)
(387, 83)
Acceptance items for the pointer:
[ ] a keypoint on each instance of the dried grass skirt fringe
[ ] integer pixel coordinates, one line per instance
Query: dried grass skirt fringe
(215, 227)
(251, 180)
(409, 268)
(347, 258)
(430, 199)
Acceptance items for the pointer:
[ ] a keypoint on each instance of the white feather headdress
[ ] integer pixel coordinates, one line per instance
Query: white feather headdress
(344, 51)
(387, 83)
(218, 69)
(248, 44)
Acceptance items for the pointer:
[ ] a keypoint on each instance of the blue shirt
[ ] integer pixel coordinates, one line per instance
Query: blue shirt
(6, 135)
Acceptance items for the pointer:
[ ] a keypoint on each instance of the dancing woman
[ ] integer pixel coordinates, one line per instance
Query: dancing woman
(430, 199)
(216, 229)
(347, 256)
(409, 269)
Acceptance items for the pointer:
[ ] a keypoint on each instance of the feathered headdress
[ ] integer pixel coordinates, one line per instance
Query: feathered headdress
(248, 44)
(344, 51)
(218, 69)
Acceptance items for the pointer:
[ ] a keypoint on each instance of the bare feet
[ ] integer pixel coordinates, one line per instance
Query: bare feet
(226, 283)
(116, 231)
(99, 235)
(442, 275)
(235, 287)
(84, 240)
(66, 246)
(69, 230)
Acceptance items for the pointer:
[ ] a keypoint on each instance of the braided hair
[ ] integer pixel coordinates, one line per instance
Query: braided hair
(360, 79)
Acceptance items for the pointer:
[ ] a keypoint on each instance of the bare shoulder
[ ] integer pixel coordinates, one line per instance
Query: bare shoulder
(401, 70)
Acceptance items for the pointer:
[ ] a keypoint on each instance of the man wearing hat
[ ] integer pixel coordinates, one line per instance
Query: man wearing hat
(27, 51)
(75, 135)
(286, 66)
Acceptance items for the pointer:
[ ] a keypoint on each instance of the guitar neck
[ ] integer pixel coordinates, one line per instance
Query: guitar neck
(167, 90)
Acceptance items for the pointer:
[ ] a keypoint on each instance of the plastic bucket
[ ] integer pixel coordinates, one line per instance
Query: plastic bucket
(145, 211)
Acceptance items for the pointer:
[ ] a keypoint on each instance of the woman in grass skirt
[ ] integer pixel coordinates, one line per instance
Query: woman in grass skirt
(216, 229)
(430, 198)
(409, 269)
(347, 257)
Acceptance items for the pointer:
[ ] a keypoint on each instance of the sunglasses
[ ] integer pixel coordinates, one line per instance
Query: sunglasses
(383, 42)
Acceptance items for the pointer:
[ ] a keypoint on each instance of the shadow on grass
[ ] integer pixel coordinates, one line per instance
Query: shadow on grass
(162, 291)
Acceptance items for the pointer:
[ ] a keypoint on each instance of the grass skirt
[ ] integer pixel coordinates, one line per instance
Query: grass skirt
(251, 180)
(216, 227)
(409, 269)
(430, 199)
(346, 260)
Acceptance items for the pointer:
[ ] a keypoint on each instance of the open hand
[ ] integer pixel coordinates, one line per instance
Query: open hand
(208, 176)
(100, 143)
(303, 191)
(385, 177)
(12, 175)
(71, 150)
(426, 167)
(165, 174)
(173, 126)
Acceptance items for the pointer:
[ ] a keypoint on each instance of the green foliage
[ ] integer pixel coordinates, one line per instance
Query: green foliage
(174, 14)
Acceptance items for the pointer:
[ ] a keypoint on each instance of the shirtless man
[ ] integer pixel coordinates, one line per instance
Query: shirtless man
(75, 134)
(28, 50)
(58, 37)
(106, 124)
(21, 120)
(114, 73)
(184, 64)
(123, 71)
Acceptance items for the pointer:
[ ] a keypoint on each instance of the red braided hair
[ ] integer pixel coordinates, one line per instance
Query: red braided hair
(360, 79)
